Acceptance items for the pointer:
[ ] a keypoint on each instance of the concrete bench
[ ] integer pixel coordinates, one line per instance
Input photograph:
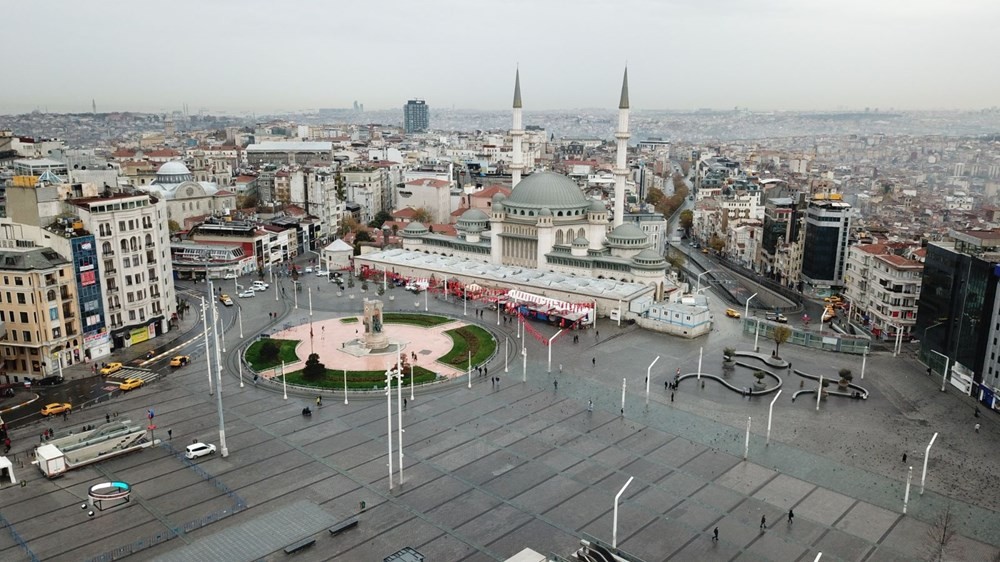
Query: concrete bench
(304, 543)
(344, 525)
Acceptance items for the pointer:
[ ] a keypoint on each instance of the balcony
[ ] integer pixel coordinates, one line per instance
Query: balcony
(68, 314)
(113, 290)
(108, 252)
(115, 306)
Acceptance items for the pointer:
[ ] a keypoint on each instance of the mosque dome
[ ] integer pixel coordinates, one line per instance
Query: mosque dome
(173, 172)
(648, 259)
(597, 206)
(546, 190)
(473, 220)
(498, 198)
(627, 235)
(545, 212)
(415, 229)
(580, 242)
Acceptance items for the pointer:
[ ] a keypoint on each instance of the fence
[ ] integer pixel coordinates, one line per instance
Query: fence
(826, 341)
(17, 538)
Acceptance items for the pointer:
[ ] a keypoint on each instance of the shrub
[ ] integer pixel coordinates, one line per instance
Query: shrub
(760, 375)
(269, 350)
(313, 370)
(846, 375)
(728, 353)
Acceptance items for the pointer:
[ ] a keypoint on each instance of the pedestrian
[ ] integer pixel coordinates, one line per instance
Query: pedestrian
(6, 445)
(590, 405)
(715, 535)
(763, 522)
(560, 367)
(486, 371)
(623, 412)
(593, 361)
(107, 418)
(666, 385)
(404, 403)
(904, 458)
(671, 396)
(319, 401)
(597, 334)
(977, 428)
(170, 433)
(791, 515)
(555, 385)
(65, 415)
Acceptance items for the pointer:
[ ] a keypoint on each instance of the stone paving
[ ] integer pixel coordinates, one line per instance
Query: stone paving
(491, 470)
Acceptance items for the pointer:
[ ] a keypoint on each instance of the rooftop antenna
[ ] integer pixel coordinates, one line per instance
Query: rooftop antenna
(93, 105)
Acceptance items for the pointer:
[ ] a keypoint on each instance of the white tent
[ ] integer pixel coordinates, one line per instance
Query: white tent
(5, 464)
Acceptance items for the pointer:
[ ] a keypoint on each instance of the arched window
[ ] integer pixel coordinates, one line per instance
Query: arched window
(149, 240)
(106, 248)
(559, 237)
(559, 214)
(134, 244)
(51, 295)
(580, 234)
(124, 245)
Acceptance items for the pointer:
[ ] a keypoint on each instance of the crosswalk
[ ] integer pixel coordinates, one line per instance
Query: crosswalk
(147, 376)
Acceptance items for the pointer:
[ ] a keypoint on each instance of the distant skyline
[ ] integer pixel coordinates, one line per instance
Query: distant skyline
(238, 56)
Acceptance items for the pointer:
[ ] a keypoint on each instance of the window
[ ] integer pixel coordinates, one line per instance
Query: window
(26, 335)
(121, 226)
(53, 313)
(18, 281)
(24, 317)
(20, 298)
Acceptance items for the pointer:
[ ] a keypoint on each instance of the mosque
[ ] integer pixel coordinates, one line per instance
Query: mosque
(548, 224)
(186, 198)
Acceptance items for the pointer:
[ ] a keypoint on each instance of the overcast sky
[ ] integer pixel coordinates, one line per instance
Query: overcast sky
(263, 56)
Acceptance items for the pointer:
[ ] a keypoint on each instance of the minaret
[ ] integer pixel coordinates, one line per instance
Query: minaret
(516, 133)
(621, 137)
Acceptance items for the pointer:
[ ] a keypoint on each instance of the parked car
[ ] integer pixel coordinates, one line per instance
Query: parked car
(49, 381)
(248, 293)
(130, 383)
(199, 450)
(231, 275)
(179, 360)
(111, 368)
(733, 313)
(322, 273)
(309, 270)
(56, 408)
(776, 317)
(259, 286)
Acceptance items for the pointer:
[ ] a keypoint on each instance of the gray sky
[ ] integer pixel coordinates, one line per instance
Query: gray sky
(255, 55)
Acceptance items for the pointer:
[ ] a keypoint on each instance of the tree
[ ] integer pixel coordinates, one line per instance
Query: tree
(675, 259)
(314, 370)
(940, 533)
(845, 377)
(780, 335)
(173, 225)
(348, 224)
(380, 218)
(269, 350)
(363, 236)
(422, 215)
(340, 187)
(687, 219)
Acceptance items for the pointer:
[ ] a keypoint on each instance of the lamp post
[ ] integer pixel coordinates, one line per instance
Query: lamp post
(310, 301)
(275, 281)
(284, 386)
(624, 384)
(345, 387)
(698, 286)
(746, 444)
(648, 371)
(239, 361)
(927, 453)
(549, 345)
(470, 368)
(218, 395)
(425, 298)
(756, 335)
(506, 352)
(239, 316)
(614, 523)
(770, 411)
(388, 410)
(399, 421)
(498, 311)
(465, 301)
(619, 313)
(411, 382)
(701, 350)
(746, 309)
(524, 365)
(864, 359)
(208, 355)
(944, 374)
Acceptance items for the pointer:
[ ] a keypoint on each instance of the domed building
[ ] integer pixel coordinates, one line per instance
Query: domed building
(548, 224)
(187, 198)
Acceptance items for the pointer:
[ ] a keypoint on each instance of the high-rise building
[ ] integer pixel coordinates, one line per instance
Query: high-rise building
(828, 227)
(955, 315)
(415, 117)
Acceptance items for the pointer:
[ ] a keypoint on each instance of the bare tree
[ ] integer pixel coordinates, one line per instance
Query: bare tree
(940, 533)
(780, 335)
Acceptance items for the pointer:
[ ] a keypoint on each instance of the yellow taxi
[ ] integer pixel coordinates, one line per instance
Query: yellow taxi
(179, 360)
(111, 368)
(56, 408)
(130, 384)
(834, 299)
(733, 313)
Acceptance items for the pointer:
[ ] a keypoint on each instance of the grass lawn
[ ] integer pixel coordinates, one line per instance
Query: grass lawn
(466, 339)
(358, 380)
(424, 320)
(351, 320)
(286, 353)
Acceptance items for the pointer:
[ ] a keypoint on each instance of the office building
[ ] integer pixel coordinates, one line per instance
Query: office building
(415, 117)
(827, 229)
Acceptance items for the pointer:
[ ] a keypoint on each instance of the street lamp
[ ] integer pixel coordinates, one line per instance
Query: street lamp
(388, 410)
(549, 345)
(944, 375)
(648, 371)
(614, 524)
(699, 278)
(746, 310)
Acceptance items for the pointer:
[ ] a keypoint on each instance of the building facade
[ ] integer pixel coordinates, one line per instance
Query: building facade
(883, 290)
(416, 117)
(827, 230)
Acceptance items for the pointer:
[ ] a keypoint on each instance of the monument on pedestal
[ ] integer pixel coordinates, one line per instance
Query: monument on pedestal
(374, 337)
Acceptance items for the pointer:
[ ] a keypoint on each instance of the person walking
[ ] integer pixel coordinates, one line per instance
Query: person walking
(763, 522)
(904, 458)
(590, 405)
(555, 385)
(671, 396)
(977, 428)
(170, 433)
(319, 401)
(791, 515)
(404, 403)
(715, 534)
(593, 361)
(107, 418)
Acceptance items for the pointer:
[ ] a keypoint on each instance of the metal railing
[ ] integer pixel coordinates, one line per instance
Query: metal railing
(17, 538)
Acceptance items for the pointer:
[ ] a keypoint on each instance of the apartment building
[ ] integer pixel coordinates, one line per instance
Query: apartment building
(133, 247)
(827, 229)
(883, 289)
(38, 304)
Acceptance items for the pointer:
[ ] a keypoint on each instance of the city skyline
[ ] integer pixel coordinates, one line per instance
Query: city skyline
(773, 55)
